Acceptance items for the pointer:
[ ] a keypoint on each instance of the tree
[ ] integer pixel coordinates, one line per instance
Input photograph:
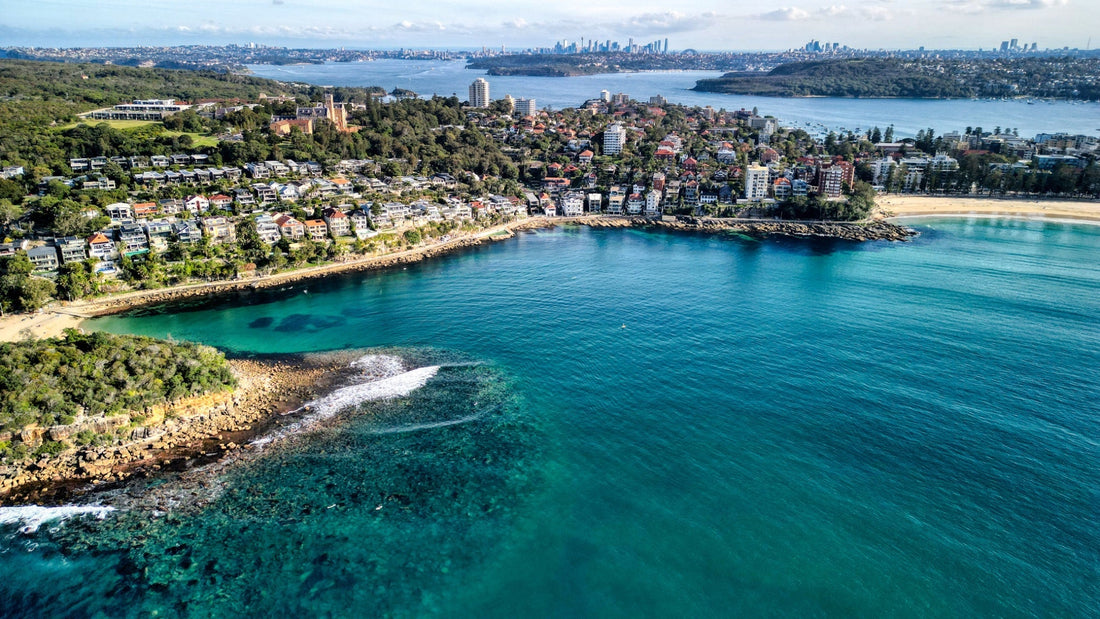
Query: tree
(74, 280)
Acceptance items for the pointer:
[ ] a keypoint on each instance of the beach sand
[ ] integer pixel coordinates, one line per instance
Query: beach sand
(929, 206)
(46, 323)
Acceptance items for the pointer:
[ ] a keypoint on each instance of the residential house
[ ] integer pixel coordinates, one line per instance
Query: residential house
(257, 171)
(342, 185)
(277, 169)
(653, 204)
(572, 204)
(264, 193)
(634, 204)
(595, 202)
(44, 258)
(132, 239)
(360, 219)
(554, 182)
(72, 249)
(691, 192)
(101, 247)
(219, 230)
(120, 211)
(144, 210)
(171, 206)
(316, 229)
(159, 234)
(290, 228)
(243, 197)
(338, 223)
(197, 204)
(221, 201)
(187, 231)
(781, 188)
(267, 229)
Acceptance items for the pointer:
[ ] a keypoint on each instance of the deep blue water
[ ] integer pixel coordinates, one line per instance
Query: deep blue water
(908, 116)
(664, 425)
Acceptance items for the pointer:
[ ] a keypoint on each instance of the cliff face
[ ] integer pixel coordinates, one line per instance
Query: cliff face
(143, 441)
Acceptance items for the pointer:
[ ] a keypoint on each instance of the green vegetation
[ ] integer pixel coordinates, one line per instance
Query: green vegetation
(858, 77)
(919, 79)
(114, 124)
(19, 291)
(54, 381)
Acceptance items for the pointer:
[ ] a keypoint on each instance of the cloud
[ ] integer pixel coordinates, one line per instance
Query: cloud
(876, 13)
(667, 23)
(1026, 4)
(972, 7)
(785, 14)
(796, 14)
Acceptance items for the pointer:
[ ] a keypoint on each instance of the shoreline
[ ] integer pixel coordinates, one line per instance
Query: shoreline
(186, 435)
(52, 320)
(903, 207)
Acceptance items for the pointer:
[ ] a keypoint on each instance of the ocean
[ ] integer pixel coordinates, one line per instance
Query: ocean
(621, 422)
(815, 115)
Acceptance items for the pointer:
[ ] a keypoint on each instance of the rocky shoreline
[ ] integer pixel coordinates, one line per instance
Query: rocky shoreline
(850, 231)
(127, 301)
(204, 429)
(847, 231)
(178, 436)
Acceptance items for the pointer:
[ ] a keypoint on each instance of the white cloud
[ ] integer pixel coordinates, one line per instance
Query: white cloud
(981, 6)
(796, 14)
(877, 13)
(785, 14)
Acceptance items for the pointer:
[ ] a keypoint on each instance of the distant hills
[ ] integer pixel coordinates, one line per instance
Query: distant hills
(915, 79)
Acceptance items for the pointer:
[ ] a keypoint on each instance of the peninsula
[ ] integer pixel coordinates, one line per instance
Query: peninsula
(919, 78)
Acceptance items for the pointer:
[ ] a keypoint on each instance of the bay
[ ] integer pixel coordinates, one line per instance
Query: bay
(655, 424)
(446, 78)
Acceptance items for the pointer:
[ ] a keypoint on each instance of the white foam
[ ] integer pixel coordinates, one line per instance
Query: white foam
(385, 381)
(427, 426)
(34, 516)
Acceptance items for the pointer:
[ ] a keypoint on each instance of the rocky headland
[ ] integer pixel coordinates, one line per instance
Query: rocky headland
(174, 436)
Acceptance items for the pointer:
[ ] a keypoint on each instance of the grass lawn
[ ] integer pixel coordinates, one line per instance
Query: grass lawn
(198, 139)
(115, 124)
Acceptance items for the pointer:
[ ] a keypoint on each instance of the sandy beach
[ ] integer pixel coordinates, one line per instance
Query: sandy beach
(929, 206)
(46, 323)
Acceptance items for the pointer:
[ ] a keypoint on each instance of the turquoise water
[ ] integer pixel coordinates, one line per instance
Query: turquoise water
(655, 425)
(908, 116)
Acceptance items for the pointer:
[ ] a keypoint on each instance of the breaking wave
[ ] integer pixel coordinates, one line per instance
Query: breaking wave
(384, 378)
(34, 516)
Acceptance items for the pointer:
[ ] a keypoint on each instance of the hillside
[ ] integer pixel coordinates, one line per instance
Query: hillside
(857, 77)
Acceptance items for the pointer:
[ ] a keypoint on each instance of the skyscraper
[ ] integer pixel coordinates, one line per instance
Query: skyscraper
(479, 93)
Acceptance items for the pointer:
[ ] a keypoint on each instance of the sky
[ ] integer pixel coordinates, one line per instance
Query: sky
(463, 24)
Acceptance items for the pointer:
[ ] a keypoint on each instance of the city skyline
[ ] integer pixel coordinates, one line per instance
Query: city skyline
(703, 25)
